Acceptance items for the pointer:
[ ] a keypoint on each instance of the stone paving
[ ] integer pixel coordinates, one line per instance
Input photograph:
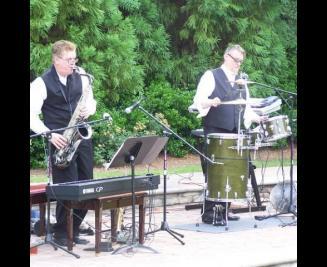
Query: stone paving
(271, 246)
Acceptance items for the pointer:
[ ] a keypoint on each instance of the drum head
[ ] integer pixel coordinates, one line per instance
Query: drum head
(197, 132)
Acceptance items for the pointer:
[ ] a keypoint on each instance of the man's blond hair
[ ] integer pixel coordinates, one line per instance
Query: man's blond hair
(60, 46)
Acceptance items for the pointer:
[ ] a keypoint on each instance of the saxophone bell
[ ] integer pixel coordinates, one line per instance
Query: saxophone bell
(84, 131)
(64, 156)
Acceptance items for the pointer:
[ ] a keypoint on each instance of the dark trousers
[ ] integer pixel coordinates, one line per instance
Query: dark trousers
(80, 168)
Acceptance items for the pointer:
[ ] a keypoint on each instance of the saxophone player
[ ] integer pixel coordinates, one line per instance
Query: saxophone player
(56, 94)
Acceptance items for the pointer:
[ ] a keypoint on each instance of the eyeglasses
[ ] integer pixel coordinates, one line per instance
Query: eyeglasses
(235, 59)
(70, 60)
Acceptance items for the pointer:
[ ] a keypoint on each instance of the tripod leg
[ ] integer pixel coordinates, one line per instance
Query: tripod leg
(164, 226)
(172, 234)
(176, 233)
(62, 248)
(132, 248)
(254, 183)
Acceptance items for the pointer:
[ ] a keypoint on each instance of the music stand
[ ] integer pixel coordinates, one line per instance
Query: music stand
(137, 150)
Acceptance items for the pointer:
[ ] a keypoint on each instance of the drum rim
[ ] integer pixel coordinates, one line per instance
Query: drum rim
(226, 199)
(277, 137)
(224, 135)
(198, 132)
(276, 117)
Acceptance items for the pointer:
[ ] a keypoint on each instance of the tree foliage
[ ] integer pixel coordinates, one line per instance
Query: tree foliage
(160, 49)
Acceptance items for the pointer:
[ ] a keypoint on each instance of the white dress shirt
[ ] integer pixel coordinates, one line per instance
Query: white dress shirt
(205, 88)
(38, 93)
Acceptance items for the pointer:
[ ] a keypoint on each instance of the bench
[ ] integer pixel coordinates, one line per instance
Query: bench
(100, 204)
(38, 196)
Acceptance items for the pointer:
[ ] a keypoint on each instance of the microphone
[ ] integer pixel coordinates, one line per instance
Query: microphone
(130, 108)
(244, 76)
(76, 69)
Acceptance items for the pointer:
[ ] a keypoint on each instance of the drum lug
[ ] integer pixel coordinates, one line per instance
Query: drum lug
(227, 187)
(235, 195)
(242, 177)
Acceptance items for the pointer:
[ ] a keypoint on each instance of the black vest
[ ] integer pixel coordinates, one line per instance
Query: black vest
(224, 116)
(61, 100)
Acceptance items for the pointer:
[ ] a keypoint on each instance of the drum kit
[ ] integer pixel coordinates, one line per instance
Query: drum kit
(230, 181)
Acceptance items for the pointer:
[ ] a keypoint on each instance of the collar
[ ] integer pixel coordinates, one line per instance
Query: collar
(62, 79)
(228, 73)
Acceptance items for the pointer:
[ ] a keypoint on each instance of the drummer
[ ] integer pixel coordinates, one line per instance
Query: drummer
(220, 85)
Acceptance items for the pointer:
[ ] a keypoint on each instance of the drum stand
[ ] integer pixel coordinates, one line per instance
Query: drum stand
(227, 190)
(290, 207)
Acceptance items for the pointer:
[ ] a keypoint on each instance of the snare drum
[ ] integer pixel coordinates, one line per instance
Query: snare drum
(227, 181)
(256, 136)
(276, 128)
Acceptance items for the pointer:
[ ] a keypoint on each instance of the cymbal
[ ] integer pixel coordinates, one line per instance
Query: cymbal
(239, 101)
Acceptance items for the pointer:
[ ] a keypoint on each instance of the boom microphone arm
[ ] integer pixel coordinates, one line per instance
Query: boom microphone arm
(106, 117)
(180, 138)
(278, 91)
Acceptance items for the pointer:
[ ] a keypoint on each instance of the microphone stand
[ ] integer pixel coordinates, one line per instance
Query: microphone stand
(106, 117)
(167, 131)
(290, 207)
(49, 238)
(179, 137)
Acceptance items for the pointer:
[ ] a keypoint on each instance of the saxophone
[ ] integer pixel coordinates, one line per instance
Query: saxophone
(74, 135)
